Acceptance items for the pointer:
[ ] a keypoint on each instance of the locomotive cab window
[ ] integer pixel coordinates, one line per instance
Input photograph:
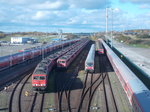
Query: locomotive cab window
(61, 62)
(90, 64)
(39, 78)
(35, 77)
(42, 78)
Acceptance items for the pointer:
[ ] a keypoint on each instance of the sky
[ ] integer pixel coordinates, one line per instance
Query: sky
(73, 15)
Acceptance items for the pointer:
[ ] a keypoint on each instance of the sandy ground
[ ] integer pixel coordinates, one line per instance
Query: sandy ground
(139, 56)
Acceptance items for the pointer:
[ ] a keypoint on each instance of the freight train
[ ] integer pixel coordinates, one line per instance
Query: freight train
(89, 62)
(40, 79)
(137, 93)
(28, 54)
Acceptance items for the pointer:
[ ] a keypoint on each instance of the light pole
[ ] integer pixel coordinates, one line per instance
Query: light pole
(112, 27)
(60, 36)
(106, 24)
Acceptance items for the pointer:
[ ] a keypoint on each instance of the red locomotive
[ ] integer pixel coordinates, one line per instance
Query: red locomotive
(40, 75)
(42, 71)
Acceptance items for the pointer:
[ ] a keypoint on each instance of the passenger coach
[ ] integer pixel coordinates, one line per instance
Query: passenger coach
(99, 47)
(89, 62)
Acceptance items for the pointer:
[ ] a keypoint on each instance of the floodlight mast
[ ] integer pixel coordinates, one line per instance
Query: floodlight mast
(112, 27)
(60, 36)
(106, 35)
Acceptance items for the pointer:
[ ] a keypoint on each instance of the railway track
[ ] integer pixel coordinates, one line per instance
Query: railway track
(18, 102)
(108, 91)
(18, 87)
(91, 85)
(88, 91)
(37, 103)
(64, 87)
(64, 90)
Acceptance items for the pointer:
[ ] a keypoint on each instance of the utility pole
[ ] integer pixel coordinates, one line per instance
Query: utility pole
(60, 36)
(106, 24)
(112, 27)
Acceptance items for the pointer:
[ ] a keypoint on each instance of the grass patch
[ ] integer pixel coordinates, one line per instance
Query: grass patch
(81, 74)
(139, 45)
(136, 42)
(40, 38)
(7, 38)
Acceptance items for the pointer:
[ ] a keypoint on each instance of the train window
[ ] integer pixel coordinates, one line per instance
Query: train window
(35, 77)
(90, 64)
(42, 77)
(61, 62)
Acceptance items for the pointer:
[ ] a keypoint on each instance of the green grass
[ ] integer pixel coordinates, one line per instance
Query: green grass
(139, 45)
(7, 38)
(40, 38)
(44, 38)
(135, 42)
(81, 75)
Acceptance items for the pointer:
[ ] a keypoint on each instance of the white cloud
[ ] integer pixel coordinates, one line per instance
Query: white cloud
(145, 6)
(84, 22)
(72, 21)
(67, 14)
(88, 4)
(20, 2)
(40, 15)
(50, 5)
(137, 1)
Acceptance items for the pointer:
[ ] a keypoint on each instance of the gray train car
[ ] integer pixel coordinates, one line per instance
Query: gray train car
(89, 62)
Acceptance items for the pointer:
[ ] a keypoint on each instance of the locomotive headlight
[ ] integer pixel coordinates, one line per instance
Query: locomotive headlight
(43, 84)
(33, 84)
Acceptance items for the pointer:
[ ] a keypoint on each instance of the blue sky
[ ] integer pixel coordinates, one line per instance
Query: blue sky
(72, 15)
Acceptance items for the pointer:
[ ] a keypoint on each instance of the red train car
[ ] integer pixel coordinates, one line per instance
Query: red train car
(31, 53)
(40, 75)
(42, 71)
(99, 47)
(65, 60)
(4, 62)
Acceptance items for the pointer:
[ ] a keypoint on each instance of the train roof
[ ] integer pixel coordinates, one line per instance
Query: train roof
(91, 54)
(99, 45)
(140, 91)
(40, 71)
(72, 51)
(4, 58)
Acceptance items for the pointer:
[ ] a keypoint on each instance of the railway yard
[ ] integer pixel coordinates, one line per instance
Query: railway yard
(68, 90)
